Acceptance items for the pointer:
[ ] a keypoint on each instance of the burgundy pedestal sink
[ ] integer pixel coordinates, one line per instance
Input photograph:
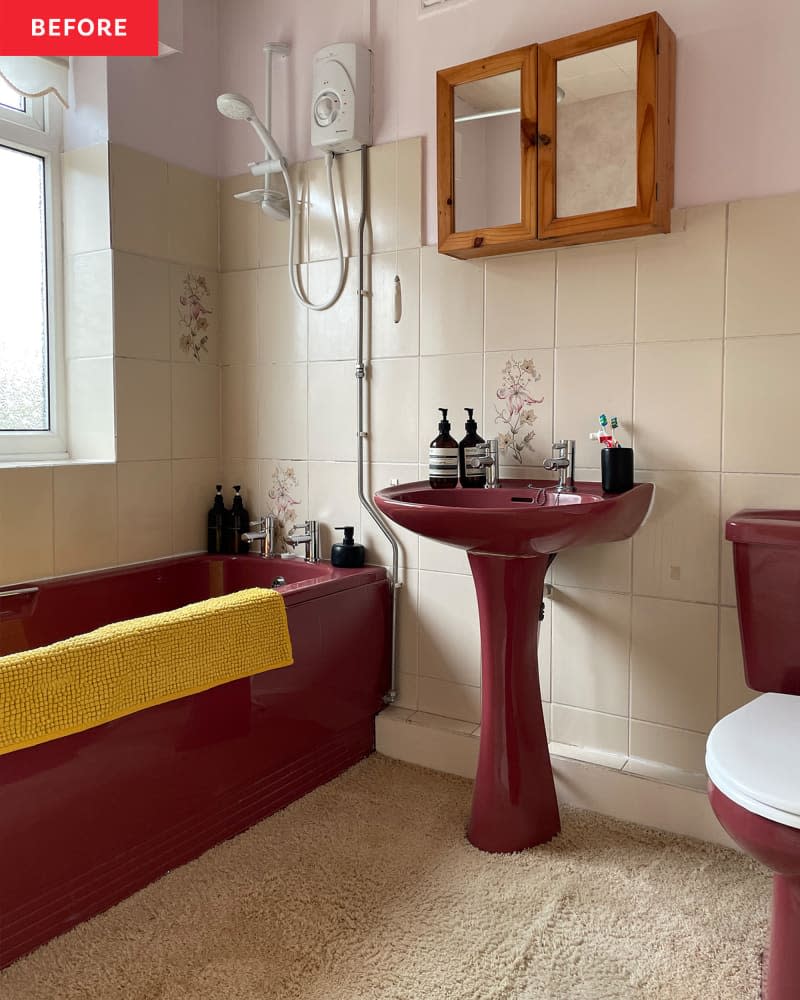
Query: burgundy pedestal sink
(512, 534)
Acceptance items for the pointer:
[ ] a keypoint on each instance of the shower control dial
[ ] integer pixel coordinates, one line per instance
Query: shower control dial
(326, 108)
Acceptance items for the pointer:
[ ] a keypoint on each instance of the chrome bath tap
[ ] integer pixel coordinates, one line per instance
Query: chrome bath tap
(563, 460)
(308, 535)
(266, 532)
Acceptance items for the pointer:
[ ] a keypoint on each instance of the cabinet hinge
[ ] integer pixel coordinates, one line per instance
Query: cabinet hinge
(658, 45)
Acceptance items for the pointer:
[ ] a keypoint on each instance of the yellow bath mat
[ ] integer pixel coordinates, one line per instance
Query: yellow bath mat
(121, 668)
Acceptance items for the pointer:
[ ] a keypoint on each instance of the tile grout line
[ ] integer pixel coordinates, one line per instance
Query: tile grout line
(720, 539)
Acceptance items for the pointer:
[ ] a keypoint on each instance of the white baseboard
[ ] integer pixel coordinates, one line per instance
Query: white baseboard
(600, 787)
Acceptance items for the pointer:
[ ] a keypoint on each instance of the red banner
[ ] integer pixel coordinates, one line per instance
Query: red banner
(79, 28)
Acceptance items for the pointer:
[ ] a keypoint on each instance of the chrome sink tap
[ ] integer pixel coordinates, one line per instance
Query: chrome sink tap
(266, 532)
(488, 459)
(308, 535)
(563, 460)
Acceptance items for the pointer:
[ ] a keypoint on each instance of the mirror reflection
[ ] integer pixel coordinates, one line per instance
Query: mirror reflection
(596, 131)
(487, 152)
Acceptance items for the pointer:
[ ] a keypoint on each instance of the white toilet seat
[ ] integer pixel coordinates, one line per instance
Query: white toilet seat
(753, 757)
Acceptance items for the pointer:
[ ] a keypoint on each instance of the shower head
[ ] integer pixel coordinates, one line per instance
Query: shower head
(236, 107)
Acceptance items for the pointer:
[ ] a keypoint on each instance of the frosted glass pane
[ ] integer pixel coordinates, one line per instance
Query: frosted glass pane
(9, 98)
(24, 396)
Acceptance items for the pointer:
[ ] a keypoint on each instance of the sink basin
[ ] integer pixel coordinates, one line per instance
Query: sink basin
(511, 535)
(522, 519)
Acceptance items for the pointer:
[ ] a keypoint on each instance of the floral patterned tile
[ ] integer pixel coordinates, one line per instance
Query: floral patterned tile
(284, 491)
(519, 405)
(194, 305)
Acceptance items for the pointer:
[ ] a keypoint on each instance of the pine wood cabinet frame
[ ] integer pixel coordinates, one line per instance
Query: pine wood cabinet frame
(540, 226)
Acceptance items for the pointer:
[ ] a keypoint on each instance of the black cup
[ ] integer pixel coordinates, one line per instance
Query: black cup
(616, 465)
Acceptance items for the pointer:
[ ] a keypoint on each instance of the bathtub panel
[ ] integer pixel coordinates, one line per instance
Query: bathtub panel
(87, 819)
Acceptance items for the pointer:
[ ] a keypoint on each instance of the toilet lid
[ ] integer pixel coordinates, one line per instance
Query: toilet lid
(753, 757)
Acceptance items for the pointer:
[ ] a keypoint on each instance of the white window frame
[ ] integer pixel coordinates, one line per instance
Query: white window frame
(38, 130)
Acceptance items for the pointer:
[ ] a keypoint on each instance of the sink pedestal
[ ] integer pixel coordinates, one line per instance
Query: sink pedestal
(514, 803)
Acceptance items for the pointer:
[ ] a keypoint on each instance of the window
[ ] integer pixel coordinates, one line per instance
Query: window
(31, 397)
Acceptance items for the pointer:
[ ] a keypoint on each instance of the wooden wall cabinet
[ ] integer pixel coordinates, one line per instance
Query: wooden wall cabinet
(564, 142)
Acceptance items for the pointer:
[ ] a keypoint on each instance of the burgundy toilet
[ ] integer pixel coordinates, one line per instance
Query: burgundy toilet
(753, 754)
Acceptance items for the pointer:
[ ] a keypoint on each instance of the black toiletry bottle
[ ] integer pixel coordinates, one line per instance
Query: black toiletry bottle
(468, 449)
(443, 457)
(236, 523)
(346, 552)
(216, 522)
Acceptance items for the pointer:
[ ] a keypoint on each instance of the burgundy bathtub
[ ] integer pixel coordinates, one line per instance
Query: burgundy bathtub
(88, 819)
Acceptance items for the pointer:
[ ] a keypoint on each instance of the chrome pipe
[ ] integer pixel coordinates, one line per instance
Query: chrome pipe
(361, 433)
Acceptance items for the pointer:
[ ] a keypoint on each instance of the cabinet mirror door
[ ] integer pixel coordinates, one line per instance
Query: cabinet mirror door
(599, 155)
(485, 149)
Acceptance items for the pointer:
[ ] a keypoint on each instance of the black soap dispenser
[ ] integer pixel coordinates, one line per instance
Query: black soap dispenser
(216, 523)
(236, 524)
(468, 450)
(346, 553)
(443, 457)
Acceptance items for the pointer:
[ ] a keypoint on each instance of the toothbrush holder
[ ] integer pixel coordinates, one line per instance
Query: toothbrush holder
(616, 469)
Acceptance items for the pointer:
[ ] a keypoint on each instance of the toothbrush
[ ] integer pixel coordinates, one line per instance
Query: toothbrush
(614, 426)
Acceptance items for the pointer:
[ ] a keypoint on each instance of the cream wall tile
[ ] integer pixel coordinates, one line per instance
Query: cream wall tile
(520, 301)
(544, 651)
(680, 290)
(193, 481)
(378, 550)
(454, 382)
(194, 315)
(676, 551)
(332, 411)
(442, 558)
(578, 727)
(678, 405)
(89, 294)
(674, 663)
(407, 631)
(332, 333)
(144, 493)
(282, 333)
(142, 307)
(195, 411)
(193, 233)
(518, 389)
(283, 491)
(247, 473)
(595, 294)
(85, 517)
(449, 634)
(451, 304)
(143, 409)
(90, 403)
(239, 411)
(139, 202)
(390, 339)
(283, 411)
(590, 381)
(591, 640)
(407, 690)
(87, 215)
(26, 513)
(239, 221)
(239, 330)
(393, 388)
(733, 689)
(763, 247)
(273, 234)
(762, 405)
(333, 499)
(740, 491)
(396, 194)
(455, 701)
(599, 567)
(674, 747)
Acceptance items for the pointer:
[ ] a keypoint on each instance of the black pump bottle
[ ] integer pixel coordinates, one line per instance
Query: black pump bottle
(468, 450)
(443, 457)
(347, 552)
(236, 524)
(216, 520)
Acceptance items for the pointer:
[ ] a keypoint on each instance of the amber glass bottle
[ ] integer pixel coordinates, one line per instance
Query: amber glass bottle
(443, 457)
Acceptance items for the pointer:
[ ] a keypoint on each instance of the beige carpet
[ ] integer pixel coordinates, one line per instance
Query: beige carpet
(368, 889)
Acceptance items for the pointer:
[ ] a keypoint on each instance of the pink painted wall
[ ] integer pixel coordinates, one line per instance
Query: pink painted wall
(167, 107)
(738, 85)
